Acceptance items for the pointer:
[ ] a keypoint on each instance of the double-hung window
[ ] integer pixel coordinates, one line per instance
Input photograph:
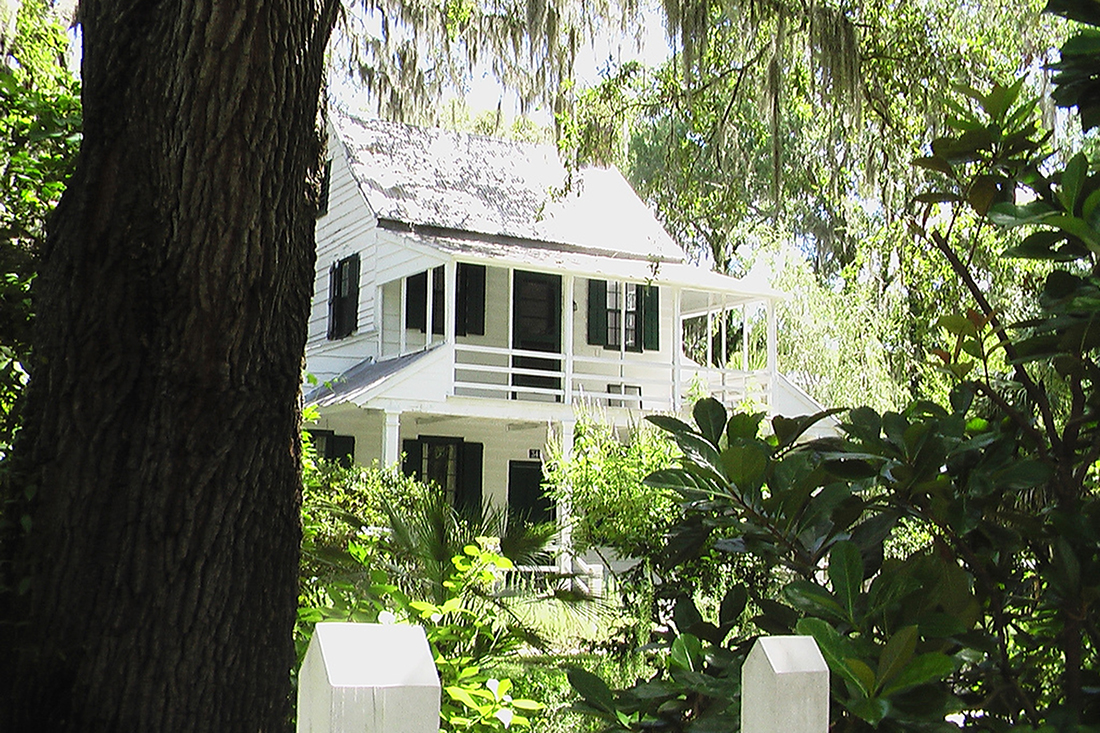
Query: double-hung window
(343, 297)
(623, 315)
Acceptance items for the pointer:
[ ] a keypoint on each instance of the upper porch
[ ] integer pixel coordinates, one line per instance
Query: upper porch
(613, 333)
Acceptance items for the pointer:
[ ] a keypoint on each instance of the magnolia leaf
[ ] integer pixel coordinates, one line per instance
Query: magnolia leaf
(1073, 176)
(834, 648)
(733, 604)
(812, 599)
(743, 426)
(593, 689)
(935, 163)
(1077, 228)
(896, 654)
(710, 416)
(923, 669)
(670, 424)
(846, 575)
(1010, 215)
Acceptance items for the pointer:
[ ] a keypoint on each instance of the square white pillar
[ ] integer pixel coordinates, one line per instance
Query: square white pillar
(785, 687)
(368, 678)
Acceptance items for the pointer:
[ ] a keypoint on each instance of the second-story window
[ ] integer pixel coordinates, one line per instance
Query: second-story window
(470, 301)
(416, 309)
(343, 297)
(623, 315)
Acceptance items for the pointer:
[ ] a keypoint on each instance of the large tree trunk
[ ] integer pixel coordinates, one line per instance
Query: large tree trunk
(162, 422)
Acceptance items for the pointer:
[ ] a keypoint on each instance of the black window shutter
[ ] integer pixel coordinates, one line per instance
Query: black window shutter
(341, 448)
(468, 491)
(438, 302)
(651, 319)
(413, 458)
(416, 307)
(351, 297)
(597, 312)
(470, 310)
(333, 298)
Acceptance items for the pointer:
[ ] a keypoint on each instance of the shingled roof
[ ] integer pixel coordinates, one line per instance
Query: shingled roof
(419, 177)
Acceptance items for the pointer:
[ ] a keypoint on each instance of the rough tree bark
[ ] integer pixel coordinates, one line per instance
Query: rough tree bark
(162, 421)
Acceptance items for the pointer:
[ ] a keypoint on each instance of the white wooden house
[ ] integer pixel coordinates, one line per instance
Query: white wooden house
(471, 297)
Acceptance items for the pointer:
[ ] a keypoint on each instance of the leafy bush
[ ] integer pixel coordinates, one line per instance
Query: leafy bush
(995, 618)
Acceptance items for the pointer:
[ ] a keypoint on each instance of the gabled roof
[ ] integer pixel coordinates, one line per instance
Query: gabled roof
(419, 177)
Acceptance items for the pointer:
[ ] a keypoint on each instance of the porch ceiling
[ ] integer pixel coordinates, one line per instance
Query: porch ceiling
(689, 278)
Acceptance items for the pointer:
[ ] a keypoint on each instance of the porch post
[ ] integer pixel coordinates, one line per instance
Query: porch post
(450, 316)
(710, 336)
(725, 347)
(565, 531)
(391, 437)
(677, 348)
(450, 300)
(402, 339)
(567, 335)
(773, 353)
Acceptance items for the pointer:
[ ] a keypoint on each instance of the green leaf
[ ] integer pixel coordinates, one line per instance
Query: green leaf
(863, 672)
(670, 424)
(1091, 208)
(846, 575)
(1043, 245)
(1023, 475)
(462, 695)
(788, 430)
(1073, 177)
(834, 648)
(896, 654)
(710, 416)
(1010, 215)
(812, 599)
(686, 653)
(1078, 228)
(935, 163)
(936, 197)
(921, 670)
(745, 466)
(743, 426)
(593, 689)
(733, 604)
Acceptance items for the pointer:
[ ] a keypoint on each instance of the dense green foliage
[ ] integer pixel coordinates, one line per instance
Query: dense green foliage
(601, 481)
(993, 617)
(40, 126)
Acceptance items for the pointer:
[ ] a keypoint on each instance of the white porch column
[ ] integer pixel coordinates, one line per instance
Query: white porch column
(391, 439)
(773, 353)
(403, 332)
(429, 304)
(450, 315)
(677, 348)
(710, 337)
(450, 299)
(565, 530)
(567, 335)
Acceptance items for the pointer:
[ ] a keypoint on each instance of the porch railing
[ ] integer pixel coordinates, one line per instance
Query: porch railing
(611, 381)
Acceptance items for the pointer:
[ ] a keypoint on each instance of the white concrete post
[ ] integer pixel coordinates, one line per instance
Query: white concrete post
(785, 687)
(368, 678)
